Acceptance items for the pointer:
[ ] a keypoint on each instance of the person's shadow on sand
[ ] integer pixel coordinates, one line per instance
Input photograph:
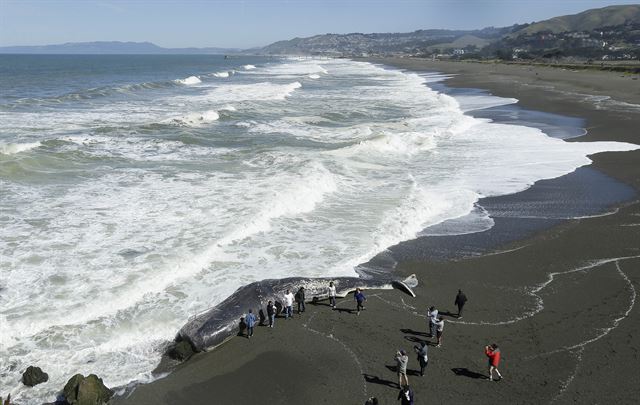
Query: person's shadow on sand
(377, 380)
(414, 332)
(326, 304)
(409, 372)
(467, 373)
(450, 314)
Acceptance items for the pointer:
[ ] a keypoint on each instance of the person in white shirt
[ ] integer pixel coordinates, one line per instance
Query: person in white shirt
(440, 328)
(288, 304)
(332, 295)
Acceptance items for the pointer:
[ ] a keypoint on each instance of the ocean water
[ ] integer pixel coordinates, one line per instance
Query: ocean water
(136, 191)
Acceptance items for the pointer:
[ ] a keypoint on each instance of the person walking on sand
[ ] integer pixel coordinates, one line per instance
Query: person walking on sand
(288, 304)
(439, 329)
(493, 353)
(271, 313)
(332, 295)
(405, 396)
(402, 360)
(432, 318)
(250, 320)
(461, 299)
(300, 298)
(423, 358)
(360, 299)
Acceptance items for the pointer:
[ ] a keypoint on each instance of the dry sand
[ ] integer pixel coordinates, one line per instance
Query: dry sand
(561, 303)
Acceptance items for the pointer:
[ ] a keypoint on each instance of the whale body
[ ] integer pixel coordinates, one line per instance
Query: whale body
(215, 325)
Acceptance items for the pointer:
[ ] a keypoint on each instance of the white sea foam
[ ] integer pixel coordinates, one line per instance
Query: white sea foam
(476, 221)
(481, 102)
(252, 92)
(190, 80)
(196, 119)
(248, 67)
(221, 74)
(13, 148)
(228, 107)
(314, 76)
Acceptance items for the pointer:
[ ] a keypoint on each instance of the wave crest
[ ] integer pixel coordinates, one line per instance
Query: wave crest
(189, 80)
(13, 148)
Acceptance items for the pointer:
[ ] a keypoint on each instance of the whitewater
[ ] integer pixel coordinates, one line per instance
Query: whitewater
(132, 199)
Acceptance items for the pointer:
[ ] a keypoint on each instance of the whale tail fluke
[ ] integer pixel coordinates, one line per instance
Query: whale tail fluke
(406, 285)
(411, 281)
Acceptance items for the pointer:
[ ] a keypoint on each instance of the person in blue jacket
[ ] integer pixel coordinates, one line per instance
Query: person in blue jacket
(360, 299)
(250, 320)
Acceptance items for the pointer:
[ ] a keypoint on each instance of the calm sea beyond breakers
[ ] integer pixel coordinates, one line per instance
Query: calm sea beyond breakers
(138, 191)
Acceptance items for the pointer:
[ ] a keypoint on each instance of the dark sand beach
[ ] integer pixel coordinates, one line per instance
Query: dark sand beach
(559, 298)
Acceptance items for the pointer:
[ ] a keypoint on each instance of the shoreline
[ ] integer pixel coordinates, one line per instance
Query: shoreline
(361, 356)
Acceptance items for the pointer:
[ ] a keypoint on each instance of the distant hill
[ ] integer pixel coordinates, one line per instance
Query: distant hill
(609, 33)
(464, 42)
(377, 43)
(586, 21)
(111, 48)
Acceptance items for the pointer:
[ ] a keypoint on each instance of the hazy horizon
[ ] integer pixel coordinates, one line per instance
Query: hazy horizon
(251, 23)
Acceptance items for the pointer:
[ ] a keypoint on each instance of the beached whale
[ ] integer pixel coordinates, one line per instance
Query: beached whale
(212, 327)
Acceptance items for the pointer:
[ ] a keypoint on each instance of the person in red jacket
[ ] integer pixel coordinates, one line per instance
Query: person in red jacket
(493, 353)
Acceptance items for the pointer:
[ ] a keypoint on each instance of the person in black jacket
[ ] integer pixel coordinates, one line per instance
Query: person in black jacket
(300, 300)
(461, 299)
(271, 313)
(405, 396)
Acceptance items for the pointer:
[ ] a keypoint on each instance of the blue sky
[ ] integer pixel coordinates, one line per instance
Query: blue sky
(249, 23)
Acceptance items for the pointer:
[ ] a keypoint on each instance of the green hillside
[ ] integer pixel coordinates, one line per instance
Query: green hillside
(587, 20)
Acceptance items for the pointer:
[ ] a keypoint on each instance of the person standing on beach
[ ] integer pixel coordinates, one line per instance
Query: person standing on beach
(402, 360)
(271, 313)
(250, 320)
(493, 353)
(461, 299)
(288, 304)
(360, 299)
(423, 358)
(432, 318)
(439, 329)
(405, 396)
(332, 295)
(300, 298)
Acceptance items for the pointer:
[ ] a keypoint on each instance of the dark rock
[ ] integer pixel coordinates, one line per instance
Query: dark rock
(34, 376)
(180, 351)
(70, 390)
(86, 391)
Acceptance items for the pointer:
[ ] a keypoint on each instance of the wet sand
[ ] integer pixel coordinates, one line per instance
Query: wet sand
(560, 302)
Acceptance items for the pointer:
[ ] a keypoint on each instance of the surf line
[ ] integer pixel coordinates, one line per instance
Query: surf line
(550, 278)
(616, 322)
(580, 347)
(532, 292)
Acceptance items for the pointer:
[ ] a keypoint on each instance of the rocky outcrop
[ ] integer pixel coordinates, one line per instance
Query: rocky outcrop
(180, 350)
(34, 376)
(90, 390)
